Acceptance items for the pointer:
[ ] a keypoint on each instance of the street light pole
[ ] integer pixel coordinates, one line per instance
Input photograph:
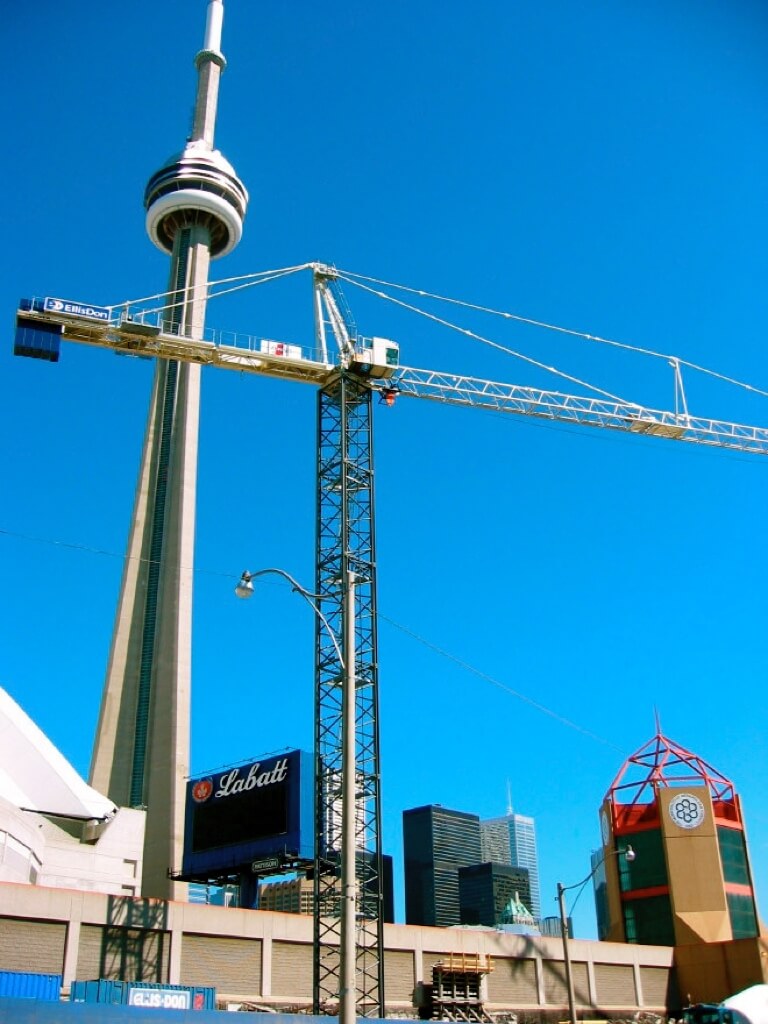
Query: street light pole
(347, 951)
(566, 952)
(346, 656)
(629, 854)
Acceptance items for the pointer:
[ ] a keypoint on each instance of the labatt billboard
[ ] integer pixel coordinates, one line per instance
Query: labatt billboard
(241, 814)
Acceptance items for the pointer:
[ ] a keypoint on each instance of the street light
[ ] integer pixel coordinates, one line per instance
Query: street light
(630, 855)
(347, 948)
(244, 589)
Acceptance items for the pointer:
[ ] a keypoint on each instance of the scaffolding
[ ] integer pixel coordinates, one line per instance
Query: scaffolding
(457, 987)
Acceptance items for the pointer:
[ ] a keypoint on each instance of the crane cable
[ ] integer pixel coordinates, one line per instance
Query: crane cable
(554, 327)
(104, 552)
(351, 277)
(486, 341)
(240, 282)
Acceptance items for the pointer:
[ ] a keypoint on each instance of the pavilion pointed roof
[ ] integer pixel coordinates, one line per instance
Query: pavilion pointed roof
(662, 762)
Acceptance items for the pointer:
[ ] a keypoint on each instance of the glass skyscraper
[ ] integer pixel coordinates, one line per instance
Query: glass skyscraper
(437, 842)
(511, 839)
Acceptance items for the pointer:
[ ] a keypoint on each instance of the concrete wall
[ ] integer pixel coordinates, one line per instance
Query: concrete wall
(265, 958)
(101, 857)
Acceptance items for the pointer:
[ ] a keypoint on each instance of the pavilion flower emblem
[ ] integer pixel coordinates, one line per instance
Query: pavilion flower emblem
(686, 810)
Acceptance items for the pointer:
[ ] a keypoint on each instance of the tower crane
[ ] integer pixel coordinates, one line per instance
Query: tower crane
(348, 371)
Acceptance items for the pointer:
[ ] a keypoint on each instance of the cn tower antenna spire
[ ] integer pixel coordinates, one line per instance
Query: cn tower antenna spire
(210, 63)
(195, 209)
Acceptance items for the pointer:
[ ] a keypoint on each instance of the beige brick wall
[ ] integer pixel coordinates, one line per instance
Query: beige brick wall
(429, 960)
(556, 986)
(655, 984)
(119, 953)
(182, 943)
(234, 963)
(291, 970)
(615, 984)
(399, 981)
(513, 983)
(32, 945)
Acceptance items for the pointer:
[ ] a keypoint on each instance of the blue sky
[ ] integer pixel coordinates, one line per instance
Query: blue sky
(600, 166)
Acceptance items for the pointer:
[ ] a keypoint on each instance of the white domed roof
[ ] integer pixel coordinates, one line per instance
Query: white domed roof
(35, 775)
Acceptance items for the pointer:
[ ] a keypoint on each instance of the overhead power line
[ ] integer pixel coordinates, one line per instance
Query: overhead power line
(465, 665)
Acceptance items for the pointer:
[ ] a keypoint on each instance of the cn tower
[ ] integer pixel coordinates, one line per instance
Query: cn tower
(195, 209)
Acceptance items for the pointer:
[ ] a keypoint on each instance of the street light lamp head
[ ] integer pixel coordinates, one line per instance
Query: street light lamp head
(629, 854)
(245, 586)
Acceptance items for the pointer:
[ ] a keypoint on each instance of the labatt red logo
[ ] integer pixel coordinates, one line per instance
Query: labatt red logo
(202, 790)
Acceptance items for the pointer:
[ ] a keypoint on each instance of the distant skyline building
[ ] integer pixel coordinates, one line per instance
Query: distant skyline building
(195, 208)
(290, 895)
(297, 895)
(553, 927)
(487, 890)
(511, 839)
(600, 888)
(437, 842)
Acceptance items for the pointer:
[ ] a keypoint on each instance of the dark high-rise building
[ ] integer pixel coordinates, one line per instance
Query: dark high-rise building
(437, 842)
(486, 889)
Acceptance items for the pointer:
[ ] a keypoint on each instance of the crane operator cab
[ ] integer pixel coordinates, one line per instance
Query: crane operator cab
(375, 357)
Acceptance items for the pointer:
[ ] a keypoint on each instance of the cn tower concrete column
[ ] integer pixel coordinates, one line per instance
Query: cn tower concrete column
(168, 735)
(141, 757)
(195, 209)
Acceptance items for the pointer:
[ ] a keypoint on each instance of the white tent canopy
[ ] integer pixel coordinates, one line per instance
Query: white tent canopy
(35, 776)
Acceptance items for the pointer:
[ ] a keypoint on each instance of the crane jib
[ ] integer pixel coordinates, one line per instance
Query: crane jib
(42, 323)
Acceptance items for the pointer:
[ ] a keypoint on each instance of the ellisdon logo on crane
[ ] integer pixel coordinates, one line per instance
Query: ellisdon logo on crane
(77, 309)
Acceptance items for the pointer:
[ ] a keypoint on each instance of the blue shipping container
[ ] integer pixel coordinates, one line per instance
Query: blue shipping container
(155, 995)
(20, 985)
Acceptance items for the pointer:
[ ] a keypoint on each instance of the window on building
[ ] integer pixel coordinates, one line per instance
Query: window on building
(649, 921)
(649, 868)
(741, 910)
(733, 854)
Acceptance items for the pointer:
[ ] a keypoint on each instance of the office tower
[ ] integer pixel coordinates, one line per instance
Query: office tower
(553, 927)
(690, 881)
(511, 839)
(290, 896)
(600, 888)
(437, 842)
(195, 208)
(485, 891)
